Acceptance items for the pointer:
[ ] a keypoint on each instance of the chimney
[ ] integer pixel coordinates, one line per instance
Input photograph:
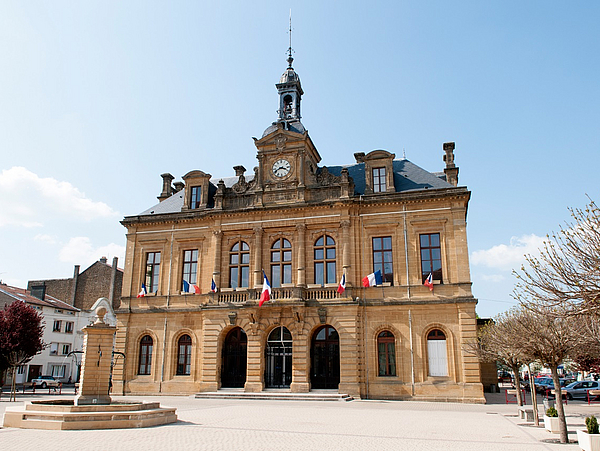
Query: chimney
(451, 170)
(103, 259)
(167, 189)
(178, 186)
(75, 280)
(113, 279)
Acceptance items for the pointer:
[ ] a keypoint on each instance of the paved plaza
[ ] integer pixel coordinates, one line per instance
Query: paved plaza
(231, 424)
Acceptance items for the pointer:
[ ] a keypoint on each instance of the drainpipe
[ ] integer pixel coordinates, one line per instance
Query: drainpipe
(412, 352)
(164, 349)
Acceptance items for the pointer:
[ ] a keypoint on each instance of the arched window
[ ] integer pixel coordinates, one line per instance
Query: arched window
(386, 350)
(184, 355)
(145, 363)
(281, 262)
(324, 253)
(239, 265)
(437, 354)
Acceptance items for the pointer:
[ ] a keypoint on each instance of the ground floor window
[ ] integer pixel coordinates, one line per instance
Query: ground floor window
(58, 371)
(437, 354)
(386, 350)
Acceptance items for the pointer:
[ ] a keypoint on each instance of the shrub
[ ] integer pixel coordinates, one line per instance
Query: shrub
(551, 412)
(592, 425)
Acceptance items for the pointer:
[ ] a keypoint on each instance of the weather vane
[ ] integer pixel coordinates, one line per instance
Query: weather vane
(290, 50)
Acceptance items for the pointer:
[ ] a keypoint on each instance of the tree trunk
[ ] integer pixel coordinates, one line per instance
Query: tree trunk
(562, 422)
(515, 370)
(13, 385)
(536, 414)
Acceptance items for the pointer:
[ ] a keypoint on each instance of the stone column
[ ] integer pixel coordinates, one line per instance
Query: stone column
(346, 252)
(217, 243)
(258, 233)
(300, 249)
(254, 367)
(95, 363)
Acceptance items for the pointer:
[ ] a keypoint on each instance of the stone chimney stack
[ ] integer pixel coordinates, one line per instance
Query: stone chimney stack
(451, 170)
(167, 189)
(75, 280)
(103, 259)
(113, 279)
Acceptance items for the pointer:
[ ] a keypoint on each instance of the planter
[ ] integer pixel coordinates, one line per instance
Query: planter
(588, 442)
(551, 424)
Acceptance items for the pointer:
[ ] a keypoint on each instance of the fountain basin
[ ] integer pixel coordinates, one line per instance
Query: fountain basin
(62, 414)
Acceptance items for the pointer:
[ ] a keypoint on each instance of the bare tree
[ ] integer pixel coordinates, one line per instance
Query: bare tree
(566, 274)
(552, 337)
(500, 341)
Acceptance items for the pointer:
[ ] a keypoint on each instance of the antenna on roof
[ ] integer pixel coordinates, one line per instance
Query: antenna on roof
(403, 153)
(290, 50)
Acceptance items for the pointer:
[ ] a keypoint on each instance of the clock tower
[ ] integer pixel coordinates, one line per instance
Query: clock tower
(286, 154)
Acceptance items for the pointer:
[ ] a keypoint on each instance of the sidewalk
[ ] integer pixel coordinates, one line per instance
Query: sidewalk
(222, 424)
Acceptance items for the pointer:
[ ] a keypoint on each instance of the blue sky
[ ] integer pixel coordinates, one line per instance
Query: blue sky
(99, 98)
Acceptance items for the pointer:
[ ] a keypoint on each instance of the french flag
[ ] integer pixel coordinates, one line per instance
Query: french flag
(429, 282)
(372, 279)
(213, 286)
(143, 292)
(265, 296)
(342, 285)
(190, 288)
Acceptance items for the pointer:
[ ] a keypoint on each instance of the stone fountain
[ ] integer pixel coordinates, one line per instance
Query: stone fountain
(93, 407)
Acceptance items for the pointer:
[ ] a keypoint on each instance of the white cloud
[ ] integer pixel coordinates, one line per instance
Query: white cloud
(511, 256)
(80, 251)
(44, 238)
(494, 278)
(27, 199)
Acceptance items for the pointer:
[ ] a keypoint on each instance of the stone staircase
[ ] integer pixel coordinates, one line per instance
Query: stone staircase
(279, 395)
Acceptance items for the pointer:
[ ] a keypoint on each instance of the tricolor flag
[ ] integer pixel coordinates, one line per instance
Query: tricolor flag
(213, 286)
(266, 291)
(190, 288)
(342, 285)
(143, 292)
(429, 282)
(372, 279)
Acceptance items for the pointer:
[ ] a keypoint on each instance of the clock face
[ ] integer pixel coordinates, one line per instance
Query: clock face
(281, 168)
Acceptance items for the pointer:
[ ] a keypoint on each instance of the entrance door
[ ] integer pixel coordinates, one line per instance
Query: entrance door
(233, 374)
(278, 355)
(325, 358)
(34, 372)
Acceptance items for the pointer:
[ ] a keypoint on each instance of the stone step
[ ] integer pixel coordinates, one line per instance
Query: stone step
(275, 395)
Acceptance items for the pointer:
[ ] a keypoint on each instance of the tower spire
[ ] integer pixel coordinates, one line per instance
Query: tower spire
(290, 58)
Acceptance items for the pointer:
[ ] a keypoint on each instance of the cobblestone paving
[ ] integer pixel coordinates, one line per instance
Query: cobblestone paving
(219, 424)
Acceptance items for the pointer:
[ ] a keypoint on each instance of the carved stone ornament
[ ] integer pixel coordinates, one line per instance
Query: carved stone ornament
(241, 186)
(325, 178)
(280, 141)
(322, 315)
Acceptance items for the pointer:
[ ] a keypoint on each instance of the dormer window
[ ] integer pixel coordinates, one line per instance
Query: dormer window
(379, 185)
(195, 198)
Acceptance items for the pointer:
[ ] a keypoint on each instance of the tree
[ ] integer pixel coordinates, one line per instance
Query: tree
(566, 274)
(499, 341)
(20, 337)
(551, 337)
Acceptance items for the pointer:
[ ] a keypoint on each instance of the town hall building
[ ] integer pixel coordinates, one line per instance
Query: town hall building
(196, 263)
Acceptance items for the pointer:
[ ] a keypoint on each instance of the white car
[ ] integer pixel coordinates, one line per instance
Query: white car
(45, 381)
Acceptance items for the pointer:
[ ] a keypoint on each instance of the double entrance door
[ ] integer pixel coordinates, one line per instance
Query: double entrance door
(278, 356)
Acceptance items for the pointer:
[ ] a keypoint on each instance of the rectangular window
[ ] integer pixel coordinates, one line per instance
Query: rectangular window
(58, 371)
(152, 271)
(379, 185)
(69, 327)
(57, 326)
(431, 256)
(21, 369)
(195, 197)
(53, 348)
(382, 258)
(66, 348)
(190, 266)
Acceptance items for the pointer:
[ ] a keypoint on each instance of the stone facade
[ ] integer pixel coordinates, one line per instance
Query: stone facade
(84, 289)
(305, 226)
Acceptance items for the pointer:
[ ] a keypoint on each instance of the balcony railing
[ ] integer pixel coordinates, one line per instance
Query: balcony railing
(283, 294)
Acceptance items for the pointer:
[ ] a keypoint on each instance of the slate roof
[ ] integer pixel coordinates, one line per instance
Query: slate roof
(20, 294)
(407, 177)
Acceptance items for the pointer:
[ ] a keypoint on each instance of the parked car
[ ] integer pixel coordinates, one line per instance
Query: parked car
(543, 383)
(45, 381)
(579, 389)
(504, 377)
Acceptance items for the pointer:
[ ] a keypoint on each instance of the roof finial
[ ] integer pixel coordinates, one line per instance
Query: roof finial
(290, 59)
